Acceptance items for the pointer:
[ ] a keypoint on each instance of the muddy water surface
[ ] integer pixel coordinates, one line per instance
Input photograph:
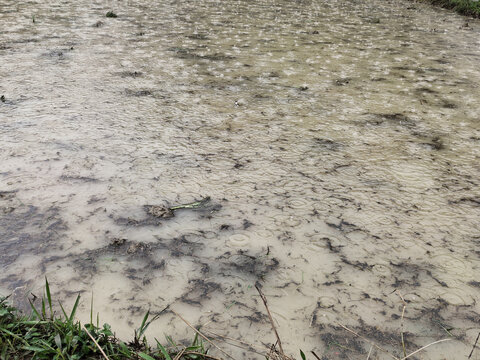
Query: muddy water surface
(339, 142)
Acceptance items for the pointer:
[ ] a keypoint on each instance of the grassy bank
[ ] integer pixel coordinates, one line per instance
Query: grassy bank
(464, 7)
(47, 335)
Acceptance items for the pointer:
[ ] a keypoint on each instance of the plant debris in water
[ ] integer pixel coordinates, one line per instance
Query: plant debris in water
(111, 14)
(164, 212)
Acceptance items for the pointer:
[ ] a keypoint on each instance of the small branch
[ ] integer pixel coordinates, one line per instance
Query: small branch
(402, 325)
(370, 352)
(179, 355)
(264, 299)
(243, 345)
(202, 336)
(96, 343)
(422, 348)
(313, 353)
(474, 345)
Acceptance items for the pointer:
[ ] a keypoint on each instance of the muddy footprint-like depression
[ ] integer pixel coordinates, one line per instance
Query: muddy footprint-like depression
(185, 152)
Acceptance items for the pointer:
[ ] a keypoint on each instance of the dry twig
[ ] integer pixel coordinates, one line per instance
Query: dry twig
(474, 345)
(402, 325)
(179, 355)
(264, 299)
(241, 344)
(96, 343)
(370, 352)
(203, 336)
(424, 347)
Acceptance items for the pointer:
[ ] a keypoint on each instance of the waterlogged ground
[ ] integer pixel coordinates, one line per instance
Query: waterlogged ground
(339, 142)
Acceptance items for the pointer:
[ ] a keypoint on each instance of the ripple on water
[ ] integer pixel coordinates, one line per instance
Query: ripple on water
(178, 267)
(324, 241)
(450, 264)
(413, 177)
(326, 302)
(286, 221)
(382, 270)
(239, 192)
(457, 297)
(323, 316)
(265, 234)
(300, 204)
(294, 186)
(240, 240)
(414, 245)
(286, 276)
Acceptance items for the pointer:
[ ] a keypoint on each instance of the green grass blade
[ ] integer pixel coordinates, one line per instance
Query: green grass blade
(35, 312)
(33, 322)
(63, 311)
(3, 355)
(8, 332)
(193, 205)
(44, 311)
(49, 297)
(74, 310)
(91, 310)
(46, 345)
(195, 340)
(302, 355)
(170, 341)
(124, 349)
(58, 341)
(196, 348)
(163, 350)
(148, 357)
(33, 348)
(142, 325)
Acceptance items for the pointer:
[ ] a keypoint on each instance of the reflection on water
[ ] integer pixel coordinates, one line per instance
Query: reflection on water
(339, 142)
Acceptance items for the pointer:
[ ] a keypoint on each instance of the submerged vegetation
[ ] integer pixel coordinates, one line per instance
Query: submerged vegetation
(464, 7)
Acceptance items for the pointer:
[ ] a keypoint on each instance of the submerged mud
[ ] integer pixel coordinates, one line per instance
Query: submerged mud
(339, 143)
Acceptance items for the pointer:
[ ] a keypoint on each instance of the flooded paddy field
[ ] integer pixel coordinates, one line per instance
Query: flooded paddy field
(339, 142)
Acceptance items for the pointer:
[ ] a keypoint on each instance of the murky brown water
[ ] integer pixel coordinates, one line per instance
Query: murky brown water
(338, 140)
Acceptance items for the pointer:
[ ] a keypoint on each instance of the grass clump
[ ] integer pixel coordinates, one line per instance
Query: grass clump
(45, 335)
(464, 7)
(111, 14)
